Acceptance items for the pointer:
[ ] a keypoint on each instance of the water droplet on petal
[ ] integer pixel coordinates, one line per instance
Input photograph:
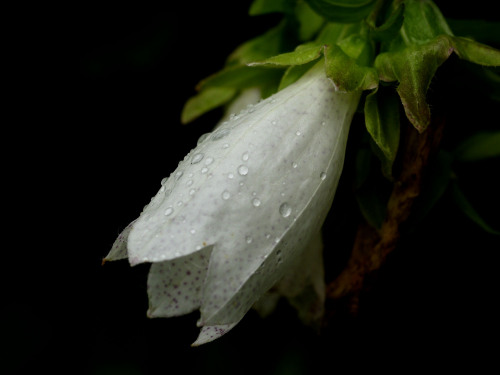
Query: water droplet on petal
(203, 137)
(225, 145)
(243, 170)
(192, 191)
(323, 123)
(219, 134)
(209, 160)
(298, 132)
(273, 122)
(197, 158)
(192, 231)
(204, 170)
(226, 195)
(256, 202)
(180, 203)
(322, 175)
(178, 175)
(169, 211)
(248, 239)
(285, 210)
(294, 165)
(268, 235)
(164, 180)
(189, 183)
(245, 156)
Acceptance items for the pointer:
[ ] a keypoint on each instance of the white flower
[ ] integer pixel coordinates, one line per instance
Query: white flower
(242, 207)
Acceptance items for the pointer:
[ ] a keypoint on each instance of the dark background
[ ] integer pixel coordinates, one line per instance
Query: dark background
(93, 124)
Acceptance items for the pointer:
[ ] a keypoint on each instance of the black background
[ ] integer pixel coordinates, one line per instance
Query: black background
(93, 124)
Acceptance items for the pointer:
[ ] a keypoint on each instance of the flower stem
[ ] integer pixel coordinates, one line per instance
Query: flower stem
(371, 247)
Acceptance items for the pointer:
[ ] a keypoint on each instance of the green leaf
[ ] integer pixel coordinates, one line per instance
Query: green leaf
(343, 11)
(240, 77)
(309, 21)
(271, 43)
(389, 29)
(372, 203)
(414, 68)
(467, 208)
(382, 123)
(423, 22)
(346, 74)
(332, 33)
(205, 101)
(480, 146)
(302, 55)
(271, 6)
(475, 52)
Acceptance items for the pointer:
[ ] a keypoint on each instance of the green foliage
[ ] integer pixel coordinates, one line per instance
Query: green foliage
(480, 146)
(342, 11)
(382, 122)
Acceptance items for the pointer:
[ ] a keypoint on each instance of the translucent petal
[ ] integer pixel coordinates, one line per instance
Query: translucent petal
(175, 287)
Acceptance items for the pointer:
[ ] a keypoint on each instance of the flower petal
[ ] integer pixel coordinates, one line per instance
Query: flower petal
(119, 249)
(175, 287)
(210, 333)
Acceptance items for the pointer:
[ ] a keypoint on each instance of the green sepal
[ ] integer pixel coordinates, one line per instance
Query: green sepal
(423, 21)
(414, 68)
(480, 146)
(382, 122)
(271, 6)
(303, 54)
(342, 11)
(205, 101)
(466, 207)
(345, 73)
(239, 77)
(475, 52)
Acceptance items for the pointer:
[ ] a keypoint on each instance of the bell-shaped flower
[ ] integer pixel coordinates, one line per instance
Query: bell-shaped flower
(243, 206)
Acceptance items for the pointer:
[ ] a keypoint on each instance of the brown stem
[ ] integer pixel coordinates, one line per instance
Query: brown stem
(371, 247)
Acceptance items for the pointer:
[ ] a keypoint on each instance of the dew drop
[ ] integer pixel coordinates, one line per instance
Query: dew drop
(203, 137)
(298, 132)
(245, 156)
(322, 175)
(323, 123)
(248, 239)
(226, 195)
(273, 122)
(225, 145)
(180, 203)
(285, 210)
(243, 170)
(192, 191)
(189, 183)
(178, 175)
(165, 179)
(268, 235)
(294, 165)
(273, 101)
(230, 176)
(204, 170)
(192, 231)
(219, 134)
(256, 202)
(169, 211)
(209, 160)
(197, 158)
